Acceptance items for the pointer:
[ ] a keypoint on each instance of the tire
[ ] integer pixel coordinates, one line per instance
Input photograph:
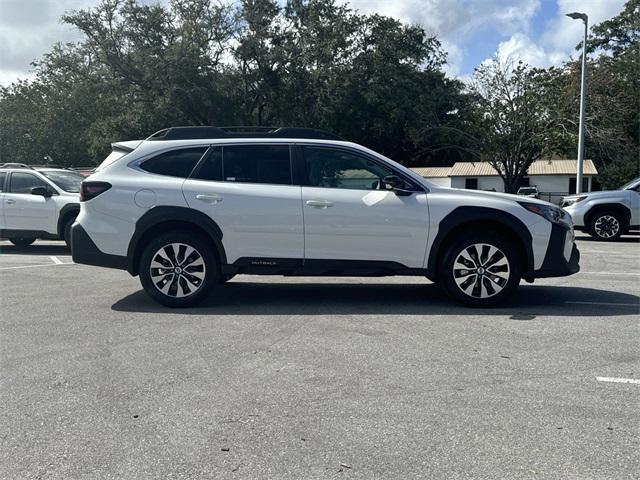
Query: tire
(22, 241)
(66, 231)
(178, 287)
(606, 225)
(492, 273)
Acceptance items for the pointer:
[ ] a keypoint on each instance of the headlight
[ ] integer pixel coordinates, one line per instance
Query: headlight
(550, 212)
(567, 202)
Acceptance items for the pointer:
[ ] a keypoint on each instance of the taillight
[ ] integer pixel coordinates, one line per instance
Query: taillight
(91, 190)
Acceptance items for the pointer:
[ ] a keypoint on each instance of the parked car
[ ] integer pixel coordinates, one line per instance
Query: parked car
(37, 203)
(190, 206)
(606, 215)
(531, 192)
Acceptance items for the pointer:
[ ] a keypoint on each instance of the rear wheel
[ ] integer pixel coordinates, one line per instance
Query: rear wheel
(480, 270)
(178, 269)
(606, 225)
(22, 241)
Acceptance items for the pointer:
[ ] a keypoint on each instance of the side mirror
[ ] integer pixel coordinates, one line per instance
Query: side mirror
(42, 191)
(396, 185)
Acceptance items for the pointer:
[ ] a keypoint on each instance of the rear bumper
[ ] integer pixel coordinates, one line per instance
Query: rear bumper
(562, 257)
(84, 251)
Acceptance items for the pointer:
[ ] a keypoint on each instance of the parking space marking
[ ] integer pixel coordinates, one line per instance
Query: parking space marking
(618, 380)
(34, 266)
(610, 304)
(55, 259)
(610, 273)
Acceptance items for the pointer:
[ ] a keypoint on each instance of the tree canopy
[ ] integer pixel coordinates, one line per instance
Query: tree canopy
(315, 63)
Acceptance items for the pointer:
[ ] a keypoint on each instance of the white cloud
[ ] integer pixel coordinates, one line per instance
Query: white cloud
(28, 28)
(454, 21)
(521, 47)
(564, 33)
(557, 43)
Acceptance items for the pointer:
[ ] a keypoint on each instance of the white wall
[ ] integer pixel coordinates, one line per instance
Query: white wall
(550, 183)
(484, 183)
(442, 181)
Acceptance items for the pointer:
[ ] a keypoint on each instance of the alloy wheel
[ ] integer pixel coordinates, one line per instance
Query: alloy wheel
(177, 270)
(606, 226)
(481, 270)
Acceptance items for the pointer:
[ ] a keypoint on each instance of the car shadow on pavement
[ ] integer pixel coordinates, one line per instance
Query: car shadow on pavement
(36, 249)
(248, 298)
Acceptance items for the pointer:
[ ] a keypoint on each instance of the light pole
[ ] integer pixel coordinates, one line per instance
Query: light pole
(583, 85)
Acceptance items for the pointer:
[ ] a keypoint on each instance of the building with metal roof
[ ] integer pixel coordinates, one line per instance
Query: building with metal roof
(553, 178)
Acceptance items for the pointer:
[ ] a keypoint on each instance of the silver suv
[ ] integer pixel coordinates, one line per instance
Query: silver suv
(606, 215)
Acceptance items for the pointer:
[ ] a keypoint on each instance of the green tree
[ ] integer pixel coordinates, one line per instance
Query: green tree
(512, 130)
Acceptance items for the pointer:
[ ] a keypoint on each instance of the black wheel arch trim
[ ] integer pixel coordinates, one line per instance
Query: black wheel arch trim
(164, 214)
(68, 209)
(601, 207)
(468, 214)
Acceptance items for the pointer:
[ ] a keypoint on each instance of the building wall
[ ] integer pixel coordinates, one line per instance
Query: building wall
(442, 181)
(484, 183)
(550, 183)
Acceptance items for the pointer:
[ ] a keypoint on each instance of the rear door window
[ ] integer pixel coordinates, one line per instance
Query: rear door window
(174, 163)
(257, 164)
(3, 176)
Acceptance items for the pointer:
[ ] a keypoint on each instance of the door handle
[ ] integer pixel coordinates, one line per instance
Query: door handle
(209, 198)
(319, 203)
(10, 200)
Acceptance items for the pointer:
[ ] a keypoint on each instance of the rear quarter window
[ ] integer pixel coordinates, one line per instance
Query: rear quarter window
(174, 163)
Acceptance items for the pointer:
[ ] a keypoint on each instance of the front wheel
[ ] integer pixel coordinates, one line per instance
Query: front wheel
(606, 226)
(481, 270)
(178, 269)
(22, 241)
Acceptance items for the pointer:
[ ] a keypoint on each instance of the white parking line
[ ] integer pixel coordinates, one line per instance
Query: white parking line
(55, 259)
(618, 380)
(34, 266)
(610, 273)
(610, 304)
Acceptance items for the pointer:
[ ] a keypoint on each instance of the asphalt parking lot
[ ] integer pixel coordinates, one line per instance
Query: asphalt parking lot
(285, 378)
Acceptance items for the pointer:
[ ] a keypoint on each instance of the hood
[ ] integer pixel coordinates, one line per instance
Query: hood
(481, 194)
(592, 195)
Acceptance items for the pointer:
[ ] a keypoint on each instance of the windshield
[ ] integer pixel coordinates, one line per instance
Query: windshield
(527, 190)
(65, 180)
(628, 186)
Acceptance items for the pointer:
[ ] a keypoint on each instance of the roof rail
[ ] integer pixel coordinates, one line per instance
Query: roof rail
(192, 133)
(16, 165)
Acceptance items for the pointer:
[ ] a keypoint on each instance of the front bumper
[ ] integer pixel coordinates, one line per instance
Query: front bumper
(576, 211)
(84, 251)
(562, 257)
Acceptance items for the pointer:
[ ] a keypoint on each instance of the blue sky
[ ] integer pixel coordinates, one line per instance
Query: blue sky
(471, 31)
(483, 44)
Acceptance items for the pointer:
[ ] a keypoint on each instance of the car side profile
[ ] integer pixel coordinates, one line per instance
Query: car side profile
(606, 215)
(37, 203)
(190, 207)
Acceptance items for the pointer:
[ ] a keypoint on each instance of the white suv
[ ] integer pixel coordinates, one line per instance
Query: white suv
(37, 203)
(192, 206)
(606, 215)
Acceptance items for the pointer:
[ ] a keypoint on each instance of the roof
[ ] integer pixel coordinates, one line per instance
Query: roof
(484, 169)
(210, 132)
(432, 172)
